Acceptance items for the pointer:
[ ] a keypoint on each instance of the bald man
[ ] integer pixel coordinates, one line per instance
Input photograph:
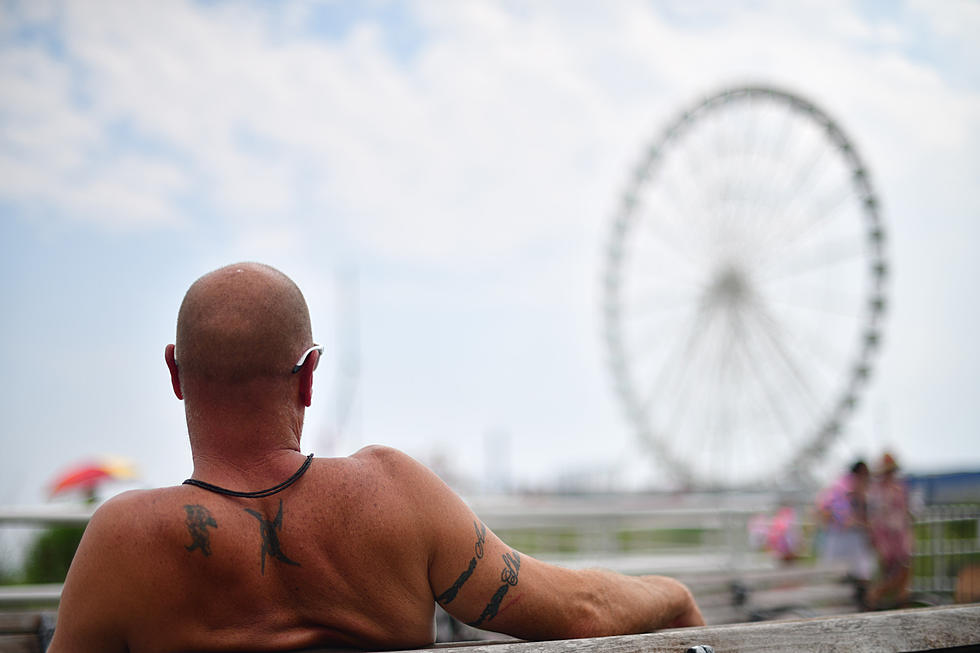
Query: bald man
(264, 548)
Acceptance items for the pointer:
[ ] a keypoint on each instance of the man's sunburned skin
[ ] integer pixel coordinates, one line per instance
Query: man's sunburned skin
(198, 520)
(270, 537)
(508, 576)
(481, 537)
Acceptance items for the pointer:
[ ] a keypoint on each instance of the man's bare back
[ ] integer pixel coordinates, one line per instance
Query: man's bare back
(355, 553)
(328, 560)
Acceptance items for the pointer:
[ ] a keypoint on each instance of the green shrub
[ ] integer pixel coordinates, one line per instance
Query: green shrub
(51, 553)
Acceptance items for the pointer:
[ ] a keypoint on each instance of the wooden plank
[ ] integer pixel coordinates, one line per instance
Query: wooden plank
(19, 644)
(886, 632)
(900, 630)
(759, 579)
(725, 614)
(19, 622)
(842, 595)
(786, 575)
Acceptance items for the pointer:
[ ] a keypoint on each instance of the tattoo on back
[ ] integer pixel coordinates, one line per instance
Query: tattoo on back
(508, 578)
(481, 537)
(270, 537)
(198, 520)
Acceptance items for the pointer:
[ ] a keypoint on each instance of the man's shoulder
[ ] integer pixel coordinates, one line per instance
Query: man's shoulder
(381, 455)
(397, 474)
(142, 499)
(390, 463)
(134, 508)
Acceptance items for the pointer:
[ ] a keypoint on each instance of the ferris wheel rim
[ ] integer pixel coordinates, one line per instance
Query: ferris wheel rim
(813, 444)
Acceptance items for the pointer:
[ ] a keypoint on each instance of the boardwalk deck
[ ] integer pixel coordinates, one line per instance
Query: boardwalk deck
(953, 628)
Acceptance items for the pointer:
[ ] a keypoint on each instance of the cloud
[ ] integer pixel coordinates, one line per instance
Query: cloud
(471, 168)
(464, 143)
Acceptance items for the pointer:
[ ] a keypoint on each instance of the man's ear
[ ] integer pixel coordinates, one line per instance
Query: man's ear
(306, 378)
(168, 355)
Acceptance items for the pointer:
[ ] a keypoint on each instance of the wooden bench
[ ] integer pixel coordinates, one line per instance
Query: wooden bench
(763, 595)
(26, 632)
(921, 629)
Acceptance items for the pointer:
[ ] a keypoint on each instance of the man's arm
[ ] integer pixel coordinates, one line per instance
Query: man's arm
(89, 611)
(483, 582)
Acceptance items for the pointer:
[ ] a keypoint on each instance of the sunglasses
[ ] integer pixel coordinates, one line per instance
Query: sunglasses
(302, 359)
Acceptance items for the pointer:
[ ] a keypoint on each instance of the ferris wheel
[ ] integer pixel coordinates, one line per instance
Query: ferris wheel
(744, 289)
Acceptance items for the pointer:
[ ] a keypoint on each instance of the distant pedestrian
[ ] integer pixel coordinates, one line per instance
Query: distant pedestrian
(843, 514)
(891, 532)
(784, 538)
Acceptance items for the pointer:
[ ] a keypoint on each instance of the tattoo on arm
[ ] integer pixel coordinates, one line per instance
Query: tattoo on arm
(508, 578)
(198, 520)
(270, 537)
(481, 537)
(512, 562)
(450, 593)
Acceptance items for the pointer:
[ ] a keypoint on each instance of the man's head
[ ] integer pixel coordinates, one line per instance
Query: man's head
(888, 465)
(240, 330)
(861, 474)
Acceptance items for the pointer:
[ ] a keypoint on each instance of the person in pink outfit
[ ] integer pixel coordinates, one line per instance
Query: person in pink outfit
(891, 532)
(842, 511)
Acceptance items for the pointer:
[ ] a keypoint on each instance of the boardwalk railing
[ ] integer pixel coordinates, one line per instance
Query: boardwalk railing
(948, 542)
(643, 540)
(627, 536)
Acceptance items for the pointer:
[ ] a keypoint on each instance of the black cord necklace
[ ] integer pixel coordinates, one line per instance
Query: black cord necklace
(258, 493)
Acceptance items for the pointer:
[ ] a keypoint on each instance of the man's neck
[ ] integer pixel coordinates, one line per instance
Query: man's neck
(255, 471)
(234, 452)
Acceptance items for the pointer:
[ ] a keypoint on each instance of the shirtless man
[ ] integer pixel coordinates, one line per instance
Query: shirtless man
(266, 549)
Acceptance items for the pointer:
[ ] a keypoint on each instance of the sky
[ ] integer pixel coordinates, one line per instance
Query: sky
(442, 180)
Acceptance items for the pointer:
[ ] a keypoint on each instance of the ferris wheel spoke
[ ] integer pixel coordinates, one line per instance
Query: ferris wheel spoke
(723, 404)
(654, 338)
(806, 173)
(819, 258)
(803, 157)
(755, 373)
(660, 227)
(798, 193)
(693, 166)
(702, 381)
(772, 403)
(721, 148)
(823, 213)
(674, 265)
(773, 398)
(678, 406)
(838, 306)
(675, 360)
(662, 295)
(761, 184)
(791, 394)
(652, 306)
(784, 139)
(816, 345)
(677, 194)
(799, 221)
(790, 363)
